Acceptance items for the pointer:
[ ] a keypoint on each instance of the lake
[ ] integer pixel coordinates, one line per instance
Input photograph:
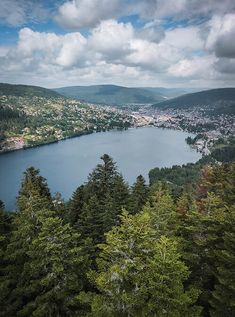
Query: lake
(66, 164)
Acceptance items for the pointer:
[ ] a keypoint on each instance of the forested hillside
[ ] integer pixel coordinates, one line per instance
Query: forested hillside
(111, 94)
(113, 250)
(27, 91)
(216, 101)
(32, 116)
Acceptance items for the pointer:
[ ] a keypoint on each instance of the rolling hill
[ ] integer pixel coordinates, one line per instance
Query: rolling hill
(32, 116)
(27, 91)
(221, 100)
(168, 93)
(111, 94)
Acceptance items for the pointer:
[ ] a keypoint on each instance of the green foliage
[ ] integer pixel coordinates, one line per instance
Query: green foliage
(26, 91)
(215, 101)
(139, 195)
(111, 94)
(162, 209)
(170, 256)
(33, 185)
(223, 296)
(31, 116)
(55, 270)
(140, 274)
(225, 154)
(96, 206)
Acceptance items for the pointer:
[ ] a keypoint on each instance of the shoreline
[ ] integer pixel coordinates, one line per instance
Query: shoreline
(28, 147)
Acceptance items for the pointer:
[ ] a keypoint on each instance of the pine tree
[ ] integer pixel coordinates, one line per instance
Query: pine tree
(184, 203)
(33, 184)
(55, 271)
(140, 274)
(162, 209)
(34, 197)
(76, 204)
(223, 296)
(102, 178)
(5, 231)
(139, 195)
(25, 227)
(201, 232)
(98, 204)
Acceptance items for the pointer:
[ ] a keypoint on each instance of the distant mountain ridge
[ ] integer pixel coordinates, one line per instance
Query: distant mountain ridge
(220, 100)
(169, 93)
(111, 94)
(27, 91)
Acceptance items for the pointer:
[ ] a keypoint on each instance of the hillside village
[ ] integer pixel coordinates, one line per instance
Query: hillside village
(44, 120)
(32, 116)
(210, 127)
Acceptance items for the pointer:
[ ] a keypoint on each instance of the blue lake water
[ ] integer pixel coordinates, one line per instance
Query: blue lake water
(66, 164)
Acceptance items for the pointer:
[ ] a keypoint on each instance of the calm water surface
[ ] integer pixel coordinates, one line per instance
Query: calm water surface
(67, 164)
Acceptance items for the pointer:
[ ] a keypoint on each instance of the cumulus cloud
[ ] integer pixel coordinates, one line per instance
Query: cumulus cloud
(181, 9)
(18, 12)
(221, 36)
(151, 56)
(118, 52)
(36, 51)
(86, 13)
(196, 67)
(185, 38)
(111, 39)
(75, 14)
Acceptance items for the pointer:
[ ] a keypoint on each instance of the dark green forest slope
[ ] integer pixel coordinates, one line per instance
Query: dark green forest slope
(115, 251)
(27, 91)
(219, 101)
(111, 94)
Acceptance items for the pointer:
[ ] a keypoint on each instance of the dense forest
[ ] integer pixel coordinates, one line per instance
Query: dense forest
(214, 102)
(118, 251)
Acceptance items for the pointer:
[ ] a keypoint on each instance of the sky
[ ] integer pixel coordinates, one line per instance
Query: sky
(141, 43)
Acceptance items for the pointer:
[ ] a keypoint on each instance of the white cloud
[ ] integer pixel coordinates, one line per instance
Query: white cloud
(112, 52)
(18, 12)
(185, 38)
(111, 39)
(75, 14)
(181, 9)
(48, 48)
(197, 67)
(151, 56)
(72, 50)
(86, 13)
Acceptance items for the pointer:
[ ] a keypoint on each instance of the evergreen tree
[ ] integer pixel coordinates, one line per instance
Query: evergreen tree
(223, 296)
(97, 205)
(55, 271)
(33, 184)
(34, 197)
(25, 227)
(201, 232)
(76, 205)
(140, 274)
(5, 230)
(162, 209)
(184, 203)
(102, 178)
(139, 195)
